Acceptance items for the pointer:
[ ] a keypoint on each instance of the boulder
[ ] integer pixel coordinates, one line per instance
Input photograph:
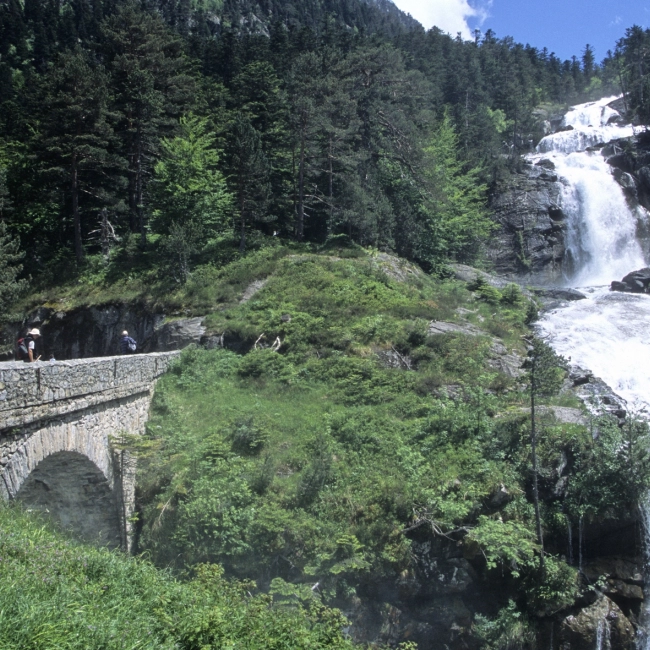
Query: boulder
(601, 625)
(635, 282)
(546, 163)
(619, 286)
(178, 334)
(557, 293)
(627, 182)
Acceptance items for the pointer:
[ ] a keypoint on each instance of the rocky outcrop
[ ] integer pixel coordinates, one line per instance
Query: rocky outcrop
(635, 282)
(601, 625)
(90, 332)
(529, 242)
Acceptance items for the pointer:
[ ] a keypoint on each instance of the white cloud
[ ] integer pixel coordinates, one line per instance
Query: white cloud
(449, 15)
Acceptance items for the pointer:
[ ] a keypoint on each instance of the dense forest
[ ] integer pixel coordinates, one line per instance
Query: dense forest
(185, 124)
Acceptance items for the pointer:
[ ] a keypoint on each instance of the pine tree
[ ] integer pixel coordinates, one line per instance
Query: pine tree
(545, 375)
(10, 268)
(75, 139)
(152, 88)
(249, 176)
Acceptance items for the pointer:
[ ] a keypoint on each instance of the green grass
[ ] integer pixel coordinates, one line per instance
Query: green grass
(56, 594)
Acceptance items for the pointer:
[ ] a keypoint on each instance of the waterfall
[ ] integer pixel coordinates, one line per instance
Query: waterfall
(602, 228)
(600, 634)
(608, 331)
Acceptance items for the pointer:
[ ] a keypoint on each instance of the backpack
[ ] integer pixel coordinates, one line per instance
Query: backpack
(23, 350)
(132, 346)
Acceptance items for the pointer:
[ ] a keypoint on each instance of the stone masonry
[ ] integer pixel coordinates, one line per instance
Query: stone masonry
(56, 425)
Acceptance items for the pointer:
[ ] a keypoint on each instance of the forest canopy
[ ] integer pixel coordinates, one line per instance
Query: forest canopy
(301, 120)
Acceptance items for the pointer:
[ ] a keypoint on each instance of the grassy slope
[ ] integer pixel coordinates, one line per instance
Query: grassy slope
(57, 594)
(310, 465)
(319, 464)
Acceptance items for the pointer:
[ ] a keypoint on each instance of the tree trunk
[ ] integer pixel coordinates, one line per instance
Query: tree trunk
(74, 192)
(533, 446)
(242, 211)
(139, 194)
(300, 225)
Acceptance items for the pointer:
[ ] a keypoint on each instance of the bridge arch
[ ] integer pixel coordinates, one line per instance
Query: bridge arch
(56, 424)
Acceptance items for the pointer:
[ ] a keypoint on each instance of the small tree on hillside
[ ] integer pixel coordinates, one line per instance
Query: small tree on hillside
(545, 375)
(190, 200)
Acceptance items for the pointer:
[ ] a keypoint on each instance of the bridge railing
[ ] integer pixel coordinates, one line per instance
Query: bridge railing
(31, 391)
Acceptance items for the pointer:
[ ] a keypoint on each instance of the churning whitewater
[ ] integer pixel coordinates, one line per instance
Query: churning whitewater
(609, 332)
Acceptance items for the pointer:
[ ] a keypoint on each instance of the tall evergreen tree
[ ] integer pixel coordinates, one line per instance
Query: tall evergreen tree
(152, 88)
(74, 144)
(249, 176)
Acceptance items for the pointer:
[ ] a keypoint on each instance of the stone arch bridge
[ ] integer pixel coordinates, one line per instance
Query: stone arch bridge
(56, 424)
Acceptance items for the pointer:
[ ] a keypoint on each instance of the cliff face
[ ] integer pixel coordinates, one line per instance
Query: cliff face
(530, 244)
(530, 241)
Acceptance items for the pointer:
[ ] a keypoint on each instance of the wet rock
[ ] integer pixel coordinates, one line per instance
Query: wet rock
(529, 242)
(602, 624)
(546, 163)
(635, 282)
(622, 161)
(627, 182)
(557, 293)
(619, 286)
(579, 376)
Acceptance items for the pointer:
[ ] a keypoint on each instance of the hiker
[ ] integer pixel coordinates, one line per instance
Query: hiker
(127, 344)
(27, 346)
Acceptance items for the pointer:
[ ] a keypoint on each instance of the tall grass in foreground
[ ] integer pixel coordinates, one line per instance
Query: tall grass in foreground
(58, 594)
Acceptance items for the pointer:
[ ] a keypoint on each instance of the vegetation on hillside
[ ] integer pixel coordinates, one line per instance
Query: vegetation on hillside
(347, 432)
(55, 593)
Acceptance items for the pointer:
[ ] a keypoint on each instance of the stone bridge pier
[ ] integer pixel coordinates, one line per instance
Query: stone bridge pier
(57, 425)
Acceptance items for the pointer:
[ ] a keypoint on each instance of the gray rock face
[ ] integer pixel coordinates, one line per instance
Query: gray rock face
(603, 622)
(89, 332)
(177, 335)
(530, 240)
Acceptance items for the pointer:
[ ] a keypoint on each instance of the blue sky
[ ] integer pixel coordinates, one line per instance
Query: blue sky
(563, 26)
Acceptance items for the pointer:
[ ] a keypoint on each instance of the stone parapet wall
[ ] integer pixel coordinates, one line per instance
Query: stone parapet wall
(36, 391)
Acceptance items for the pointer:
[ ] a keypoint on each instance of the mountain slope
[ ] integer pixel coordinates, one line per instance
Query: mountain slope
(367, 15)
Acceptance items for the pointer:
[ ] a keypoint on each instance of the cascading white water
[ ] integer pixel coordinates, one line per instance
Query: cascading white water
(608, 332)
(601, 238)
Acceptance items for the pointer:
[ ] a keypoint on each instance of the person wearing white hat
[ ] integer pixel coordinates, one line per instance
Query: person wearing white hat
(27, 345)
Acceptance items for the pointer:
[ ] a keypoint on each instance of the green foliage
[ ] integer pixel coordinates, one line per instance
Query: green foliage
(59, 594)
(189, 189)
(509, 543)
(10, 284)
(509, 630)
(456, 219)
